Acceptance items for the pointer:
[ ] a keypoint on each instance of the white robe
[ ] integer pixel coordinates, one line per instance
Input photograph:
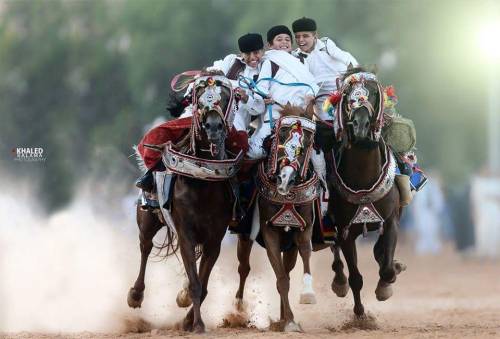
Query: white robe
(291, 70)
(326, 62)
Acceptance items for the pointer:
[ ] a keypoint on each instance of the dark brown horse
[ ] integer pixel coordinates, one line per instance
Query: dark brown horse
(287, 189)
(200, 208)
(364, 196)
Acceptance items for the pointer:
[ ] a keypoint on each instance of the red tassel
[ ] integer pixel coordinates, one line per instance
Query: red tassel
(335, 97)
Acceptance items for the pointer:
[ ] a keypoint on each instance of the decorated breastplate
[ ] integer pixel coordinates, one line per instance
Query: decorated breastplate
(302, 194)
(203, 169)
(366, 212)
(381, 187)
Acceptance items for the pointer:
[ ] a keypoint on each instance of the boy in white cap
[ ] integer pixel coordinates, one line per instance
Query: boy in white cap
(247, 64)
(325, 60)
(280, 65)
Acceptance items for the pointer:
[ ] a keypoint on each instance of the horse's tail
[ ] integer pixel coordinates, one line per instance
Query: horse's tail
(169, 246)
(140, 161)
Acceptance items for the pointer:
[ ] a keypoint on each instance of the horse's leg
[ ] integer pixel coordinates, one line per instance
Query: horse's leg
(187, 249)
(339, 284)
(355, 277)
(272, 241)
(148, 227)
(244, 249)
(303, 241)
(384, 254)
(289, 261)
(209, 257)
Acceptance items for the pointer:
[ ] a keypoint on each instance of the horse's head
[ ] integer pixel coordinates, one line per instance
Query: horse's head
(361, 107)
(292, 146)
(212, 113)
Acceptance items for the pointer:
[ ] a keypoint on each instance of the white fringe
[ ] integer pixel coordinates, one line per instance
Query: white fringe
(140, 162)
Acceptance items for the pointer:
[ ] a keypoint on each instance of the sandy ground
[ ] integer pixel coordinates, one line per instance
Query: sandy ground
(67, 276)
(444, 296)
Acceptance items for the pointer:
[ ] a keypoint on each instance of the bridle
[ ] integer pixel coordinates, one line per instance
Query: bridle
(304, 129)
(210, 100)
(354, 96)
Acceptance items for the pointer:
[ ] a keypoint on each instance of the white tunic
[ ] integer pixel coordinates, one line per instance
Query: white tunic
(291, 70)
(326, 62)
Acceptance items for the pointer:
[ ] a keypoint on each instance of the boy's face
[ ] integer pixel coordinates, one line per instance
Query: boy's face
(282, 42)
(305, 40)
(253, 58)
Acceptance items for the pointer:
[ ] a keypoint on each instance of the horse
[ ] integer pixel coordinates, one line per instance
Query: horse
(288, 190)
(364, 197)
(201, 196)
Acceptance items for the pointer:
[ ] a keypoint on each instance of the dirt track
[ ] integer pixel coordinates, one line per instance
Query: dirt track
(442, 296)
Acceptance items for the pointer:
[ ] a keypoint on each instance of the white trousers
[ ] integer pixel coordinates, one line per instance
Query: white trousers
(256, 151)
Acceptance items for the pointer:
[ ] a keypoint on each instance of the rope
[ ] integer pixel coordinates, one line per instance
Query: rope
(250, 84)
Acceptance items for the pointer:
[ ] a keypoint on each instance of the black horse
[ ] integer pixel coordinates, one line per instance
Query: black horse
(364, 196)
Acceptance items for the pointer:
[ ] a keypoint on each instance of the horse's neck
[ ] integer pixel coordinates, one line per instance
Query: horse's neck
(359, 167)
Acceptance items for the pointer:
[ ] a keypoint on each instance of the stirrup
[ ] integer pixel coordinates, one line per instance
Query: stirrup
(147, 203)
(146, 181)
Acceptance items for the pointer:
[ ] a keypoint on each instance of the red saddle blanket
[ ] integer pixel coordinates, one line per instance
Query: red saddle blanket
(174, 130)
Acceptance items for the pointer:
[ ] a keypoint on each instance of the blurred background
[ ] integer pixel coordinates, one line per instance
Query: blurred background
(83, 80)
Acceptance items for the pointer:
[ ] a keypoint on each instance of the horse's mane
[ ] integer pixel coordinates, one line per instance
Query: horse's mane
(358, 69)
(205, 72)
(291, 110)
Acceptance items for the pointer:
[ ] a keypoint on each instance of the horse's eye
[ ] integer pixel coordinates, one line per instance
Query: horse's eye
(219, 126)
(207, 125)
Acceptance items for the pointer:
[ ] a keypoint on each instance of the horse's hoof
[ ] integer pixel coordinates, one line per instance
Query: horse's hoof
(199, 328)
(240, 305)
(399, 267)
(307, 298)
(292, 326)
(187, 324)
(359, 311)
(134, 298)
(183, 299)
(340, 290)
(383, 290)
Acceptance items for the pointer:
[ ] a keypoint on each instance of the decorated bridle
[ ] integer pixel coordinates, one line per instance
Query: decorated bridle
(210, 100)
(293, 147)
(353, 90)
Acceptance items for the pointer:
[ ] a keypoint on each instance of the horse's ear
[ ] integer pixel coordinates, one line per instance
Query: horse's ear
(310, 101)
(310, 110)
(350, 66)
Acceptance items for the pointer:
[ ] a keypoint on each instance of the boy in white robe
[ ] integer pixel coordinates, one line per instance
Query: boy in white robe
(247, 64)
(324, 59)
(280, 65)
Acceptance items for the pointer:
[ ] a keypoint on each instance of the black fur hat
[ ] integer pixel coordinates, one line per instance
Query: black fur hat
(250, 42)
(304, 25)
(277, 30)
